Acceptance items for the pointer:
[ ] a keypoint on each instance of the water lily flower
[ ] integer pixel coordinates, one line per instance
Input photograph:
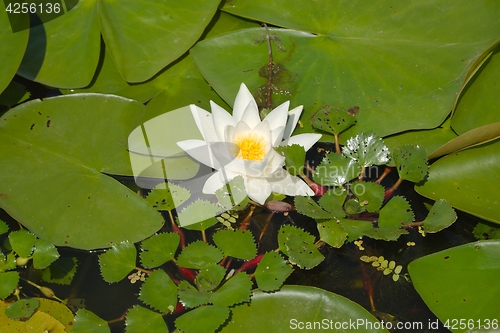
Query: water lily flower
(242, 144)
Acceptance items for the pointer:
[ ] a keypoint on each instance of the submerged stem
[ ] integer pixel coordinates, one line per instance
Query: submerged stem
(337, 144)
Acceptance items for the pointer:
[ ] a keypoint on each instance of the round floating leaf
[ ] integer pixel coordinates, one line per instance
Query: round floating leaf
(332, 233)
(370, 195)
(87, 321)
(159, 292)
(356, 228)
(14, 45)
(333, 121)
(336, 170)
(308, 207)
(366, 149)
(468, 180)
(236, 243)
(476, 106)
(210, 277)
(167, 196)
(282, 311)
(62, 271)
(205, 319)
(357, 39)
(158, 249)
(198, 255)
(22, 242)
(142, 320)
(199, 215)
(118, 261)
(295, 156)
(74, 203)
(272, 271)
(460, 282)
(190, 297)
(22, 309)
(396, 213)
(411, 162)
(234, 291)
(299, 246)
(440, 216)
(333, 201)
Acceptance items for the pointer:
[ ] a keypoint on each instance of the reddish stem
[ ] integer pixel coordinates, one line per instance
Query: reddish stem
(187, 273)
(250, 263)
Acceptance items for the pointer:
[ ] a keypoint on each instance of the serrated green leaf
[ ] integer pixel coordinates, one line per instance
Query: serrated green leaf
(333, 121)
(332, 233)
(333, 201)
(395, 213)
(236, 243)
(370, 195)
(353, 207)
(159, 292)
(411, 162)
(7, 262)
(3, 227)
(355, 228)
(199, 254)
(308, 207)
(233, 195)
(388, 234)
(8, 282)
(87, 321)
(210, 277)
(205, 319)
(199, 215)
(336, 170)
(299, 246)
(190, 297)
(142, 320)
(295, 156)
(272, 271)
(61, 271)
(22, 242)
(366, 149)
(167, 196)
(118, 261)
(22, 309)
(440, 216)
(158, 249)
(234, 291)
(45, 253)
(484, 231)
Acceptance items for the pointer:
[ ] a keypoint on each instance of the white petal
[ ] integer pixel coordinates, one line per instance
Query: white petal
(275, 162)
(258, 189)
(204, 122)
(251, 115)
(284, 183)
(277, 136)
(241, 102)
(262, 129)
(306, 140)
(278, 116)
(293, 118)
(221, 119)
(200, 151)
(216, 181)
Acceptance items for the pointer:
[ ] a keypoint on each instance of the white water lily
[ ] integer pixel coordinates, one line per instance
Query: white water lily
(242, 144)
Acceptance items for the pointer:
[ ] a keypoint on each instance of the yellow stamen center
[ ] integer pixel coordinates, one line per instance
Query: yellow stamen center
(252, 147)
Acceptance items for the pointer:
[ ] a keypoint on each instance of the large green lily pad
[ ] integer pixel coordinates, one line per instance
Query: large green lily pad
(142, 38)
(461, 282)
(359, 44)
(468, 180)
(294, 307)
(57, 155)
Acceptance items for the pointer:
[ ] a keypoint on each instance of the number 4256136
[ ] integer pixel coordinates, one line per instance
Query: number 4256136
(33, 8)
(455, 324)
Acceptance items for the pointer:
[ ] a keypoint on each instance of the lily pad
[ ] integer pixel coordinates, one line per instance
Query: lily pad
(205, 319)
(460, 282)
(74, 202)
(294, 307)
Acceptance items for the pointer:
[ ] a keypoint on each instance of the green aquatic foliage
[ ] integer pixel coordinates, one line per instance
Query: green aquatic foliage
(272, 271)
(236, 243)
(118, 261)
(158, 249)
(299, 246)
(22, 309)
